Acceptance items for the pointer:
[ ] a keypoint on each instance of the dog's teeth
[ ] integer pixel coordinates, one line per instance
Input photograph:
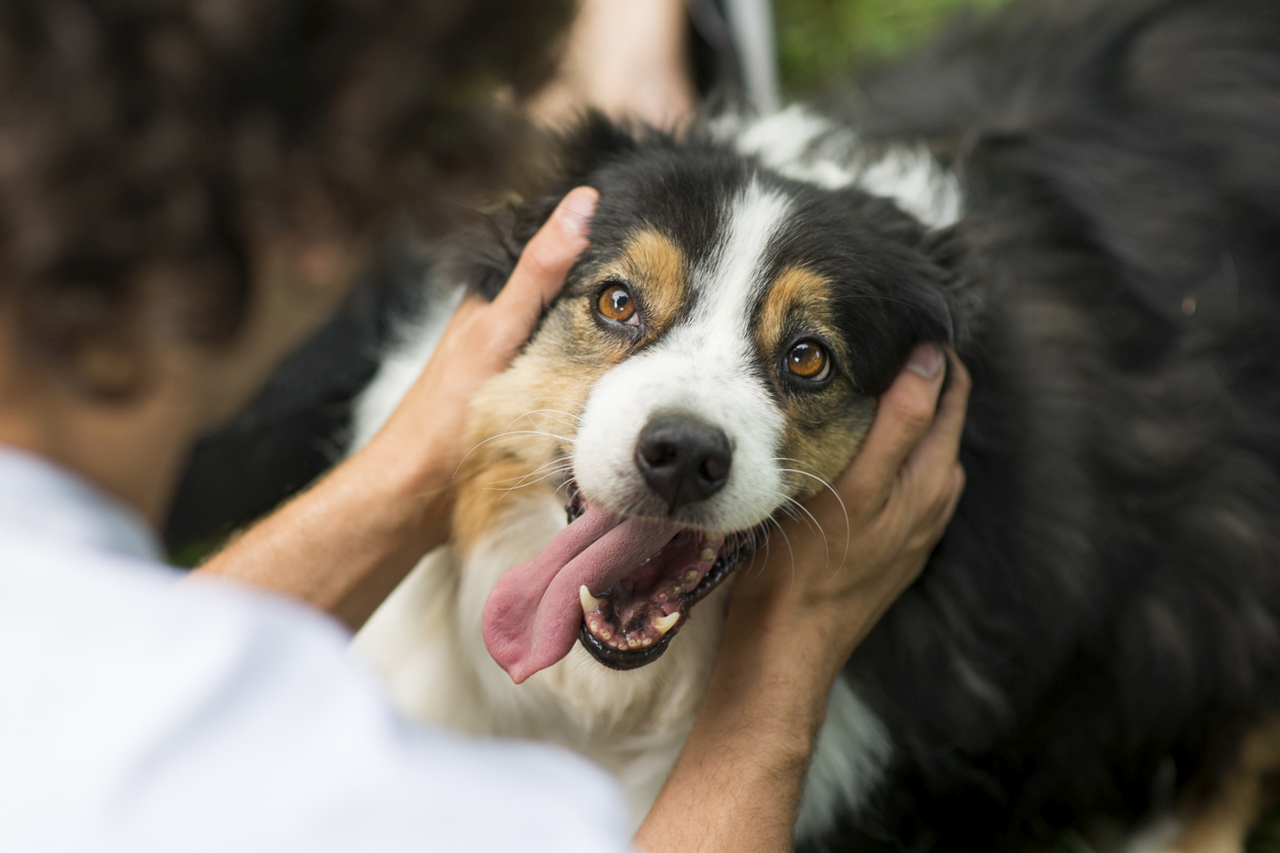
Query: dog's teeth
(691, 576)
(707, 555)
(589, 601)
(663, 624)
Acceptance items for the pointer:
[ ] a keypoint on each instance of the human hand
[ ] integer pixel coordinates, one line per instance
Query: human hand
(629, 60)
(479, 342)
(827, 580)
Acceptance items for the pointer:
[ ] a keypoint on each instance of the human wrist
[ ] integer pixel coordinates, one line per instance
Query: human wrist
(774, 672)
(413, 492)
(799, 632)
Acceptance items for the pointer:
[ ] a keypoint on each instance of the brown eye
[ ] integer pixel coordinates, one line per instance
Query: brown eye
(809, 360)
(616, 304)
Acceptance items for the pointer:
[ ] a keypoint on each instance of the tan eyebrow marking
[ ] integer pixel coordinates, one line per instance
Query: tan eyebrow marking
(794, 287)
(658, 268)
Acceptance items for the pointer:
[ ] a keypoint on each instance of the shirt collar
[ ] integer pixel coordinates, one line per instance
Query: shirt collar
(37, 498)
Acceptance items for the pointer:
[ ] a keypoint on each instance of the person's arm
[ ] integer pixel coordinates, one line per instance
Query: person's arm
(794, 621)
(345, 543)
(627, 59)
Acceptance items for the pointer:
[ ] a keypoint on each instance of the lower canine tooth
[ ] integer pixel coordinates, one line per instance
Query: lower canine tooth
(663, 624)
(589, 601)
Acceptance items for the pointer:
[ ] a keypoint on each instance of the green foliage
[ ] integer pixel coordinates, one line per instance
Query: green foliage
(821, 41)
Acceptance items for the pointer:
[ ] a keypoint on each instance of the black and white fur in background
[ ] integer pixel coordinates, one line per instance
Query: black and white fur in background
(1083, 198)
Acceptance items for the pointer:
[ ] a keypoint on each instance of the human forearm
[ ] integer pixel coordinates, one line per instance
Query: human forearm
(344, 544)
(738, 781)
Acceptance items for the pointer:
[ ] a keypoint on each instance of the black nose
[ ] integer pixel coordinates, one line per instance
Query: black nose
(683, 460)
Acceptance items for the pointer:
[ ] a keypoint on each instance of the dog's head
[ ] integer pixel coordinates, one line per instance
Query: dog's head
(714, 358)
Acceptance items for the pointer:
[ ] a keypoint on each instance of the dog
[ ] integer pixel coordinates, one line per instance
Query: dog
(1083, 199)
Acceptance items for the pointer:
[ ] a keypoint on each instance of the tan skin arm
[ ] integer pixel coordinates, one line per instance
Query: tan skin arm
(343, 546)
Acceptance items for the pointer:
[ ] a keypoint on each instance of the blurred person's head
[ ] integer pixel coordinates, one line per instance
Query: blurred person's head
(172, 169)
(186, 186)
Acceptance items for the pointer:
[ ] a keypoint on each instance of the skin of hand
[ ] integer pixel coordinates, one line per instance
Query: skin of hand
(794, 621)
(627, 59)
(344, 545)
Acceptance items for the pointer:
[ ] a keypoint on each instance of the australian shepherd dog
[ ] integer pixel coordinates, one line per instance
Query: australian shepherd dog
(1083, 199)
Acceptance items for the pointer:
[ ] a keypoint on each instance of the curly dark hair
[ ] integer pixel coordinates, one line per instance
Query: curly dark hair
(143, 136)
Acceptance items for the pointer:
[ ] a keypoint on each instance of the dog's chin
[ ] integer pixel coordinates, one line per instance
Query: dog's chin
(633, 622)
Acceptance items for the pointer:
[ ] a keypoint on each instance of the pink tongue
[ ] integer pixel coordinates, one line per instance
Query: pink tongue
(531, 618)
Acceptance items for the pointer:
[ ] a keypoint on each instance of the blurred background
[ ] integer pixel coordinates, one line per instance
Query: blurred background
(820, 42)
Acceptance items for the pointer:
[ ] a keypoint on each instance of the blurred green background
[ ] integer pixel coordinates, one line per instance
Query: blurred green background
(821, 41)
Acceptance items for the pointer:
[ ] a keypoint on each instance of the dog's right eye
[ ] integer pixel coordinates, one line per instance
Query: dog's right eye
(615, 303)
(808, 360)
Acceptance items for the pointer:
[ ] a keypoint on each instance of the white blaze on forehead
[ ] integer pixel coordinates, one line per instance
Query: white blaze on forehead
(803, 146)
(704, 367)
(728, 283)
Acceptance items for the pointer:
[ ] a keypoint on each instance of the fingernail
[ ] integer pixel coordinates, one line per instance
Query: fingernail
(576, 210)
(926, 360)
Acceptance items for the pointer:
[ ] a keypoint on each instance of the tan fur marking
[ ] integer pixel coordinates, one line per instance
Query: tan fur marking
(823, 429)
(523, 421)
(656, 266)
(1223, 824)
(795, 289)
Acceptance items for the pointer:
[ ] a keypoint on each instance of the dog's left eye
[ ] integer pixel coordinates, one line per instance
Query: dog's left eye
(615, 303)
(808, 360)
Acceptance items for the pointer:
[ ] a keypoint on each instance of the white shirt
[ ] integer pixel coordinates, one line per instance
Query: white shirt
(138, 713)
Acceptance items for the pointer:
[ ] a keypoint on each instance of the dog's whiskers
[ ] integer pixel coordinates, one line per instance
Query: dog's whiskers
(511, 433)
(543, 472)
(844, 512)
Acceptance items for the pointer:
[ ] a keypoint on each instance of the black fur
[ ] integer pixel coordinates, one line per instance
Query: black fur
(1100, 623)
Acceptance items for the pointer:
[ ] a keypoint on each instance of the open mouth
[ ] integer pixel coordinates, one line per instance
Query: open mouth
(631, 623)
(646, 573)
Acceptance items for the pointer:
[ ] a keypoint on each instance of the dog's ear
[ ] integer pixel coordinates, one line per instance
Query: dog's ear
(941, 293)
(494, 245)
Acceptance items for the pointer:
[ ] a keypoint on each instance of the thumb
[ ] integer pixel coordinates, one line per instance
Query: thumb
(546, 258)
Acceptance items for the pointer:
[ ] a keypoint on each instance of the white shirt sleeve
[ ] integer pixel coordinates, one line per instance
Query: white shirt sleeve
(141, 714)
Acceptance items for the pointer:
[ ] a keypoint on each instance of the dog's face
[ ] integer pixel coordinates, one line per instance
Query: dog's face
(713, 360)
